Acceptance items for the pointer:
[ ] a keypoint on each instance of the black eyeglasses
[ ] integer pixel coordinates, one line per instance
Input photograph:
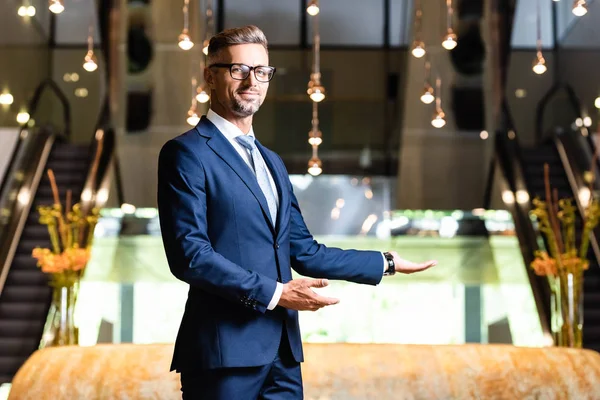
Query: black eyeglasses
(241, 71)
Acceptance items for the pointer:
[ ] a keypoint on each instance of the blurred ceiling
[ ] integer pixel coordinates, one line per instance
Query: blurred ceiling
(572, 31)
(585, 33)
(72, 27)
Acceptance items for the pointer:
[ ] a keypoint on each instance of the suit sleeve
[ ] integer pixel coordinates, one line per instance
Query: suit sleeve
(182, 206)
(316, 260)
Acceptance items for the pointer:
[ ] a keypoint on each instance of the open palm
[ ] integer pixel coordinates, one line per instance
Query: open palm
(408, 267)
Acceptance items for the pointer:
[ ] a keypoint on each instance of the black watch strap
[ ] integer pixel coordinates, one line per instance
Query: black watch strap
(391, 266)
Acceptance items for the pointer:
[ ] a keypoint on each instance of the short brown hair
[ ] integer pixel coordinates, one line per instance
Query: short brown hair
(249, 34)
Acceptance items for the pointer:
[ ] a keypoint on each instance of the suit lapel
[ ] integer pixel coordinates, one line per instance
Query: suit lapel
(221, 146)
(282, 186)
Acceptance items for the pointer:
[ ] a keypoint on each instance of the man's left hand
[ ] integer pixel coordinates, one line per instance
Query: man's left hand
(408, 267)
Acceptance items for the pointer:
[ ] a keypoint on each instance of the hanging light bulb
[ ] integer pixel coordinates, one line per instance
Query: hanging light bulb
(438, 120)
(449, 41)
(6, 98)
(315, 137)
(209, 27)
(313, 7)
(418, 49)
(314, 166)
(427, 97)
(90, 63)
(316, 91)
(185, 41)
(56, 6)
(202, 96)
(539, 64)
(23, 117)
(579, 8)
(26, 11)
(192, 116)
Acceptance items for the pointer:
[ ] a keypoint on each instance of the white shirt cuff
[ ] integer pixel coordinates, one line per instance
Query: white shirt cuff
(385, 263)
(276, 296)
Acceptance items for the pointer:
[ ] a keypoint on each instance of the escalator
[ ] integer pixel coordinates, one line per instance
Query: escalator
(85, 169)
(533, 160)
(26, 296)
(525, 171)
(533, 169)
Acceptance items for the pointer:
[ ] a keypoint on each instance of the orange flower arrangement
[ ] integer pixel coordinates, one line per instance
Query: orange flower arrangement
(565, 260)
(71, 259)
(71, 235)
(557, 222)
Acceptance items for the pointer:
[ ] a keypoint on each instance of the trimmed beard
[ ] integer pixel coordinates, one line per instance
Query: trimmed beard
(244, 109)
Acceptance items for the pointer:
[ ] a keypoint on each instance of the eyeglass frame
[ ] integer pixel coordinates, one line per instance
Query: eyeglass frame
(250, 69)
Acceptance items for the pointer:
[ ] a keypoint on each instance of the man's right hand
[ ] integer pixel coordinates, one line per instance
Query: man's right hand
(298, 295)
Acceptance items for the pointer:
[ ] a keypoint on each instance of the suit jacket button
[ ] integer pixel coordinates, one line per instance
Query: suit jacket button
(276, 246)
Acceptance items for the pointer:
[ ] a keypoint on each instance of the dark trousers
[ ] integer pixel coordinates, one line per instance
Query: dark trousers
(280, 380)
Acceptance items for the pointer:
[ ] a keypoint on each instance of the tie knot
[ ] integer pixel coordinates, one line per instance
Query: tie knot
(247, 141)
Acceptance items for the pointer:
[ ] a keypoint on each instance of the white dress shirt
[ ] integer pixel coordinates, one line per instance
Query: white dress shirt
(230, 131)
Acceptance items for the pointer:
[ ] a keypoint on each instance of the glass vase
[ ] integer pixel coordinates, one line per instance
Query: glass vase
(570, 311)
(60, 328)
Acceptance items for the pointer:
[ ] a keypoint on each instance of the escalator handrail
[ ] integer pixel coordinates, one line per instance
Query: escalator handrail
(95, 189)
(20, 209)
(576, 159)
(49, 84)
(593, 147)
(510, 161)
(31, 175)
(97, 181)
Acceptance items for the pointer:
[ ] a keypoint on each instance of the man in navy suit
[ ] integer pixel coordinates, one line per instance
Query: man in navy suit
(232, 229)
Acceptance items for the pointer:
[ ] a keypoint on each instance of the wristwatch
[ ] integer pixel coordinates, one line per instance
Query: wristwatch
(391, 267)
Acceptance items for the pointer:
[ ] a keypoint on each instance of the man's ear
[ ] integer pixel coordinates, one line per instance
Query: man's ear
(209, 78)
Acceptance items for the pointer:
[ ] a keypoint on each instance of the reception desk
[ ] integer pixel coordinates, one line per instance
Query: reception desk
(331, 371)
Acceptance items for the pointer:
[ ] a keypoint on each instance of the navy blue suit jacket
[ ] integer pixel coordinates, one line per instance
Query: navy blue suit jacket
(218, 238)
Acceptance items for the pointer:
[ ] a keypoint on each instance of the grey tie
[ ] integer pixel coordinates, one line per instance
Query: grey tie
(262, 175)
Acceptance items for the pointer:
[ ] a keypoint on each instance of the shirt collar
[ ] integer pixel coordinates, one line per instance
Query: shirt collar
(229, 130)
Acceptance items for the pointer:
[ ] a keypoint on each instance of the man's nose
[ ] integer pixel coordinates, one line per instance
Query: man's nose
(251, 79)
